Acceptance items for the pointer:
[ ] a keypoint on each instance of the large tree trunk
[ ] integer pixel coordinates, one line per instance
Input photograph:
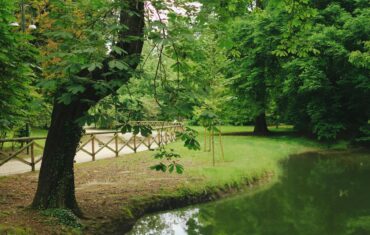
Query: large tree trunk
(56, 187)
(260, 125)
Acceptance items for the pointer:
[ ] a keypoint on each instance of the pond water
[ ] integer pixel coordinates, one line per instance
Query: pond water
(316, 195)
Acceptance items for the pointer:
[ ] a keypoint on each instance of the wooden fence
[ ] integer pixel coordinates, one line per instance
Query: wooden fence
(93, 143)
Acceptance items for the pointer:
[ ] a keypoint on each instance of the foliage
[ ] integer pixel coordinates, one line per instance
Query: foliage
(189, 137)
(16, 68)
(65, 217)
(327, 93)
(144, 130)
(316, 79)
(169, 157)
(256, 76)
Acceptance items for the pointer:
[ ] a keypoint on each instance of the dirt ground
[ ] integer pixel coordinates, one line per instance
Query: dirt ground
(103, 188)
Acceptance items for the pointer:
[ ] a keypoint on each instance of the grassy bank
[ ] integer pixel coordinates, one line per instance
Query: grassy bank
(117, 191)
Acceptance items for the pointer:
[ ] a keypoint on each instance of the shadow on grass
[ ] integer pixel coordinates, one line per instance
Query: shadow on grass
(270, 134)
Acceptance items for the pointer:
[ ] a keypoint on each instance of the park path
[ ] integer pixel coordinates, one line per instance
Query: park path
(16, 167)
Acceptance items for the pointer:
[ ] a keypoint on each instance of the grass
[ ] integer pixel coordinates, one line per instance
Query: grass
(249, 129)
(11, 230)
(245, 157)
(124, 188)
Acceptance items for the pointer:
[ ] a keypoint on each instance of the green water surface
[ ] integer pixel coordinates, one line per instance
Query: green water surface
(315, 195)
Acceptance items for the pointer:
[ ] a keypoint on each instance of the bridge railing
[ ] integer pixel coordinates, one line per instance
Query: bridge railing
(95, 142)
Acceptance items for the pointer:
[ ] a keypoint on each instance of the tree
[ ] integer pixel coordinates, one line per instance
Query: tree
(16, 62)
(327, 92)
(85, 82)
(256, 66)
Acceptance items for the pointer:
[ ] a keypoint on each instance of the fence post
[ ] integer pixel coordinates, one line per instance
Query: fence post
(160, 137)
(149, 141)
(116, 143)
(93, 147)
(213, 146)
(135, 143)
(32, 156)
(210, 141)
(222, 147)
(205, 139)
(28, 148)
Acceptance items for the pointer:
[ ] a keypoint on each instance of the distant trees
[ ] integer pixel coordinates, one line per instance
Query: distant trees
(16, 74)
(310, 67)
(328, 93)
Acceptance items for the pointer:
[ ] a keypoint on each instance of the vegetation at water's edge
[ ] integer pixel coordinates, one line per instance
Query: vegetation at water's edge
(248, 161)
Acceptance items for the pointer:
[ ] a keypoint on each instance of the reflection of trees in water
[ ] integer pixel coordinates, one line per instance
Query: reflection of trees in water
(167, 223)
(316, 196)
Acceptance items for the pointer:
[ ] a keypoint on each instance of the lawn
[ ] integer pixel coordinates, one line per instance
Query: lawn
(123, 188)
(245, 157)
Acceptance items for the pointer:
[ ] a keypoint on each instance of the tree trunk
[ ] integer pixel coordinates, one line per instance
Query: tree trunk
(259, 4)
(260, 125)
(56, 187)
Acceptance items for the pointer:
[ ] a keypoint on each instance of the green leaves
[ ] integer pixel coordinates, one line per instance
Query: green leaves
(171, 167)
(94, 65)
(118, 50)
(17, 76)
(179, 168)
(66, 99)
(162, 153)
(120, 65)
(144, 130)
(169, 157)
(159, 167)
(76, 89)
(59, 35)
(189, 136)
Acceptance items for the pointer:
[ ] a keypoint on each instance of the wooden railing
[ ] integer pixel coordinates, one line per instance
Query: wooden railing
(29, 146)
(93, 143)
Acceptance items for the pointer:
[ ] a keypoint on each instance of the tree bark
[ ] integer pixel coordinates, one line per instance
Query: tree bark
(260, 126)
(259, 4)
(56, 188)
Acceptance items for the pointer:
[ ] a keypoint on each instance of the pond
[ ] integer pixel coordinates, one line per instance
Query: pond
(315, 195)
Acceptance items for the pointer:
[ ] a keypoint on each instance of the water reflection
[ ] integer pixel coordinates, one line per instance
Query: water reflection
(316, 195)
(167, 223)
